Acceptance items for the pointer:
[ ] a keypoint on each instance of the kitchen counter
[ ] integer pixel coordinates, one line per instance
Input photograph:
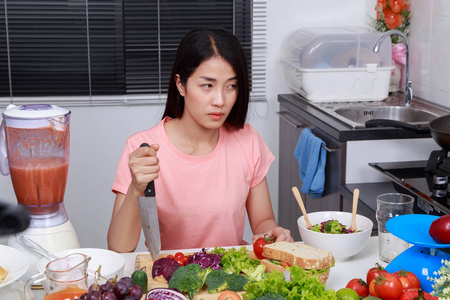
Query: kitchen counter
(340, 274)
(338, 129)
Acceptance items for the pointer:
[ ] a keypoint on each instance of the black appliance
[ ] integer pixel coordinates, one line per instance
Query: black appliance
(423, 179)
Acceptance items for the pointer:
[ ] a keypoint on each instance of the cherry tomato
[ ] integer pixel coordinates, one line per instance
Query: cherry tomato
(170, 256)
(415, 283)
(374, 273)
(258, 245)
(185, 259)
(411, 294)
(360, 286)
(179, 255)
(388, 287)
(180, 261)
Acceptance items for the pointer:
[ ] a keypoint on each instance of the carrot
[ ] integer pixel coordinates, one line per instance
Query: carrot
(229, 295)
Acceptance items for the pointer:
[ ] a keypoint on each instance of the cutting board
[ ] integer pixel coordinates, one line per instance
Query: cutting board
(145, 260)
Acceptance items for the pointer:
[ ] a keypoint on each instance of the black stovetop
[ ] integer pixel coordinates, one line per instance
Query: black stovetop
(411, 177)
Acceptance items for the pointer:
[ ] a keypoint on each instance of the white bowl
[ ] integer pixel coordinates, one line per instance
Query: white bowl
(112, 262)
(343, 246)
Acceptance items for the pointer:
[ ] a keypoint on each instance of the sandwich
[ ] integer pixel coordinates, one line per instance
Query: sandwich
(280, 255)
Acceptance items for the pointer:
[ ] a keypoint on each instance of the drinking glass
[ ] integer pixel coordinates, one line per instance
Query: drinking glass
(389, 206)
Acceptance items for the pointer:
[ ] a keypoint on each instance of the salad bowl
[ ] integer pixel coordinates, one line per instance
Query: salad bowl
(343, 246)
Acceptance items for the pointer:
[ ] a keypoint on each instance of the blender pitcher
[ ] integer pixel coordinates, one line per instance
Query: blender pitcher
(67, 278)
(36, 145)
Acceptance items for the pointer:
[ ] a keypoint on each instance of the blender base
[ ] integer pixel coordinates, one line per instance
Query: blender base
(53, 239)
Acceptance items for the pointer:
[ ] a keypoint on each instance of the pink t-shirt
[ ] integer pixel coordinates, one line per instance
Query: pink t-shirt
(201, 200)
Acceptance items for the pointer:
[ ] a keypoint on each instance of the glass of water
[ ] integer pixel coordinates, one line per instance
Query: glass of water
(388, 206)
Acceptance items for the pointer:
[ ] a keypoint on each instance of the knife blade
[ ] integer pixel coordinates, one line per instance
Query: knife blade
(148, 214)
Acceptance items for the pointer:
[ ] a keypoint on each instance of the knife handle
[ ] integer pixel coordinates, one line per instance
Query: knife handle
(150, 189)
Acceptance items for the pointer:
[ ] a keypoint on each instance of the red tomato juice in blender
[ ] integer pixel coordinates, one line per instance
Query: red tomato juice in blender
(40, 182)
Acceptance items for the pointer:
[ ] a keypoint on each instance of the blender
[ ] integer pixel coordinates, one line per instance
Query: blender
(34, 151)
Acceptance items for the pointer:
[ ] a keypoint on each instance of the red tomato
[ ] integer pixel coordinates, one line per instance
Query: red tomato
(415, 283)
(411, 294)
(258, 245)
(285, 264)
(179, 255)
(360, 286)
(374, 273)
(388, 287)
(406, 283)
(372, 288)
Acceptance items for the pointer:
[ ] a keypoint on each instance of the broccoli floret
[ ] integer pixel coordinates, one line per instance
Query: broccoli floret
(255, 274)
(189, 279)
(271, 296)
(236, 282)
(216, 281)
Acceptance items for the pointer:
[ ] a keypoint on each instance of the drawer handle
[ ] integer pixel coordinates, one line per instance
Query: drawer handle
(283, 114)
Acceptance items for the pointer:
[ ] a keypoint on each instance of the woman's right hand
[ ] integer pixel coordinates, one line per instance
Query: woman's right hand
(144, 167)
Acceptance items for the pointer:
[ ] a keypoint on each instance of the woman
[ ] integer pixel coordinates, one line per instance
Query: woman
(208, 165)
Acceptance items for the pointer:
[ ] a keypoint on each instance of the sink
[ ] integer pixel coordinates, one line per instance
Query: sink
(399, 113)
(356, 114)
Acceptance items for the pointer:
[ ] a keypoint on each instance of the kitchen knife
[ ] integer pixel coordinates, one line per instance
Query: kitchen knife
(149, 218)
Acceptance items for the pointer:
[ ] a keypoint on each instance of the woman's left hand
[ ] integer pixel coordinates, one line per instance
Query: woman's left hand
(279, 233)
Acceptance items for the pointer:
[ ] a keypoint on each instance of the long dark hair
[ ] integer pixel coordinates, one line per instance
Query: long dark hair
(198, 46)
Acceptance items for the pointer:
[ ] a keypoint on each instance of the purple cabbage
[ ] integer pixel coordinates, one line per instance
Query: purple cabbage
(205, 260)
(164, 266)
(165, 294)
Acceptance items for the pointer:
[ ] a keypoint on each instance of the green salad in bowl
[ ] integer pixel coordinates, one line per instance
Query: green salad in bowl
(330, 226)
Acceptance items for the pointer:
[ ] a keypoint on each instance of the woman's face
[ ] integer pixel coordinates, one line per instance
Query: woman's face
(210, 93)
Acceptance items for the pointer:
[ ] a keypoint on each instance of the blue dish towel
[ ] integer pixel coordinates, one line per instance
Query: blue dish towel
(311, 158)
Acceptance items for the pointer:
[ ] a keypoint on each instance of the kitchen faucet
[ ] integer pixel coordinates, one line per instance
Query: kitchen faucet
(407, 90)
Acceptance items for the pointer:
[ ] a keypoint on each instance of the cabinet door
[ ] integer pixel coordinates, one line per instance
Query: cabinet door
(291, 126)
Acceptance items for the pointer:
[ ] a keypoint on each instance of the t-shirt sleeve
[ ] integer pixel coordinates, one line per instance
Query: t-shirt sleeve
(262, 157)
(123, 174)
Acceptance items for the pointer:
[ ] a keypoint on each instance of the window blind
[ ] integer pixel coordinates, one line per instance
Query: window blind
(112, 52)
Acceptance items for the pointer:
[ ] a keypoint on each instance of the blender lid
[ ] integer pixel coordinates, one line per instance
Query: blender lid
(34, 111)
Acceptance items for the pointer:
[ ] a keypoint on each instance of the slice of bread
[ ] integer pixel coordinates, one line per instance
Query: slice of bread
(3, 274)
(304, 256)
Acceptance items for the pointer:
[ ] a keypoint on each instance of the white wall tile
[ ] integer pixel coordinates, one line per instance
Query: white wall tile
(439, 72)
(440, 8)
(419, 40)
(421, 7)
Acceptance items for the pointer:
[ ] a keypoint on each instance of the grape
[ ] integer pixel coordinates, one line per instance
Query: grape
(106, 288)
(128, 297)
(94, 295)
(109, 296)
(135, 291)
(93, 288)
(120, 288)
(128, 281)
(84, 296)
(109, 282)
